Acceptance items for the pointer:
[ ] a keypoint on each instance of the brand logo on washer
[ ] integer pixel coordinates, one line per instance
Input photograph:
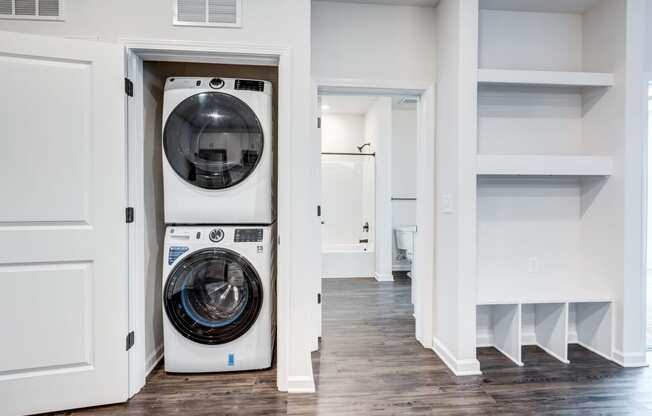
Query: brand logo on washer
(216, 235)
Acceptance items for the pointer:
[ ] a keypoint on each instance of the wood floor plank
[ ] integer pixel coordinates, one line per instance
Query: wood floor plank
(370, 364)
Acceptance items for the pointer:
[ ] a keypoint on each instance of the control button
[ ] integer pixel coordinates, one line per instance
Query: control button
(216, 83)
(216, 235)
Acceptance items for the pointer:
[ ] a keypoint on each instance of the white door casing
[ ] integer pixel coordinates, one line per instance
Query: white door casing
(63, 236)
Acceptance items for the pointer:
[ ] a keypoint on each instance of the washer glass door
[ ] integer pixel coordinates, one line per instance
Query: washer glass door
(213, 296)
(213, 140)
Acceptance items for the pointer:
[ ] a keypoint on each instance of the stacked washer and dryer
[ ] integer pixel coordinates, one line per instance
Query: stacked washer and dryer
(219, 269)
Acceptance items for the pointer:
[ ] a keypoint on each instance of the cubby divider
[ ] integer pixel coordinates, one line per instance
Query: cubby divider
(594, 327)
(549, 325)
(551, 329)
(505, 330)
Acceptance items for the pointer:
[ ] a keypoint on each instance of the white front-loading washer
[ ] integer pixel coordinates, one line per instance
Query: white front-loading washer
(219, 298)
(218, 163)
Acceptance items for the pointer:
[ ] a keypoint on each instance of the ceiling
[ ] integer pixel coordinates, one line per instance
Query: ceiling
(547, 6)
(358, 104)
(422, 3)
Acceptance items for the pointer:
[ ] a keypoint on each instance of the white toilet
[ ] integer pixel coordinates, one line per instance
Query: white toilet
(405, 241)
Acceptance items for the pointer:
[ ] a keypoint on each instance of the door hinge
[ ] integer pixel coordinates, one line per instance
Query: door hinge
(319, 298)
(319, 122)
(130, 340)
(319, 210)
(129, 215)
(129, 87)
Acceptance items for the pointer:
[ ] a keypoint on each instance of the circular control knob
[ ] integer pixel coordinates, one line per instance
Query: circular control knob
(216, 83)
(216, 235)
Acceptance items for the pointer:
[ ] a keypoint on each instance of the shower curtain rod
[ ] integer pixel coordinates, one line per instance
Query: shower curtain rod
(348, 154)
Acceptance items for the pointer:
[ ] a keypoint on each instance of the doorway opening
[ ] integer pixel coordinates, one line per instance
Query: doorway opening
(376, 144)
(149, 65)
(373, 144)
(157, 76)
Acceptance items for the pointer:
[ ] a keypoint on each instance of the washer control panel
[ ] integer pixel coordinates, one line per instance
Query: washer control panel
(216, 235)
(248, 235)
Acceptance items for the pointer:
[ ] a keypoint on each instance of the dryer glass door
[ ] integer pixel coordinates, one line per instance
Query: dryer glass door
(213, 140)
(213, 296)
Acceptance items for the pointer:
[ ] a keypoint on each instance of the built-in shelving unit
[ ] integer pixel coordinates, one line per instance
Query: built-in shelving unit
(547, 165)
(547, 150)
(544, 78)
(551, 326)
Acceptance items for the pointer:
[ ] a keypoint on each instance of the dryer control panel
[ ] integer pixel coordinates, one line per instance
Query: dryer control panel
(248, 235)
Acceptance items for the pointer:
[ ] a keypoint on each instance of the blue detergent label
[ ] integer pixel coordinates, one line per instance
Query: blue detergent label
(175, 252)
(231, 361)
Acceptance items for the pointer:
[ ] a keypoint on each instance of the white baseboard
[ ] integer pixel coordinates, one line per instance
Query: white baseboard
(631, 359)
(384, 277)
(153, 359)
(401, 267)
(458, 367)
(301, 384)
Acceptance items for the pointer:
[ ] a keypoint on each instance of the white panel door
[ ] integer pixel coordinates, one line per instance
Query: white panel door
(63, 237)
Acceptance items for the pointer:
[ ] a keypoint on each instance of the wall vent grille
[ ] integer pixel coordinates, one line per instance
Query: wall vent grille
(219, 13)
(31, 9)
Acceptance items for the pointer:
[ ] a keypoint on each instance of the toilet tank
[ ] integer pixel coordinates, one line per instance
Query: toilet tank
(405, 238)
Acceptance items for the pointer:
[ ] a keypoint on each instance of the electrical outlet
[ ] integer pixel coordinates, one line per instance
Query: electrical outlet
(533, 265)
(447, 204)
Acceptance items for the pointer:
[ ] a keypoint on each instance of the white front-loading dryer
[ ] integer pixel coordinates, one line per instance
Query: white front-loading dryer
(219, 298)
(218, 151)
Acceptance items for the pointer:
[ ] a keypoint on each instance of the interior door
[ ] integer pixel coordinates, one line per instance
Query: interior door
(63, 236)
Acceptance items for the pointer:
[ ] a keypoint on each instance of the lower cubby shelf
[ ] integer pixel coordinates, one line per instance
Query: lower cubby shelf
(551, 326)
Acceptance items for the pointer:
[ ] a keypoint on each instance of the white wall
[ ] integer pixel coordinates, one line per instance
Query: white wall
(454, 290)
(558, 47)
(404, 169)
(378, 130)
(342, 132)
(371, 41)
(649, 186)
(153, 211)
(404, 154)
(262, 24)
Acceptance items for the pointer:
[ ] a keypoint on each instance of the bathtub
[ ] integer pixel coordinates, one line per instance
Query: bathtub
(348, 260)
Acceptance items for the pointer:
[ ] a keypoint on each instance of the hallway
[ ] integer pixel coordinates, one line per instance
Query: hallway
(370, 364)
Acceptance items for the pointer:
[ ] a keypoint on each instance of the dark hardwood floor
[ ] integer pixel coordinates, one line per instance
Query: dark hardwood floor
(370, 364)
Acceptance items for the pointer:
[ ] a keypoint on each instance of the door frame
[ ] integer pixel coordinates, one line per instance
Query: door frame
(426, 162)
(136, 52)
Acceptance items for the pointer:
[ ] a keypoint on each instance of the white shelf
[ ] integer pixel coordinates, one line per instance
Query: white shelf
(589, 298)
(545, 78)
(544, 165)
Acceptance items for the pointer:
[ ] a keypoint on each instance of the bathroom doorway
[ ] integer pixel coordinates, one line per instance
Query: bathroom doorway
(387, 98)
(368, 195)
(368, 184)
